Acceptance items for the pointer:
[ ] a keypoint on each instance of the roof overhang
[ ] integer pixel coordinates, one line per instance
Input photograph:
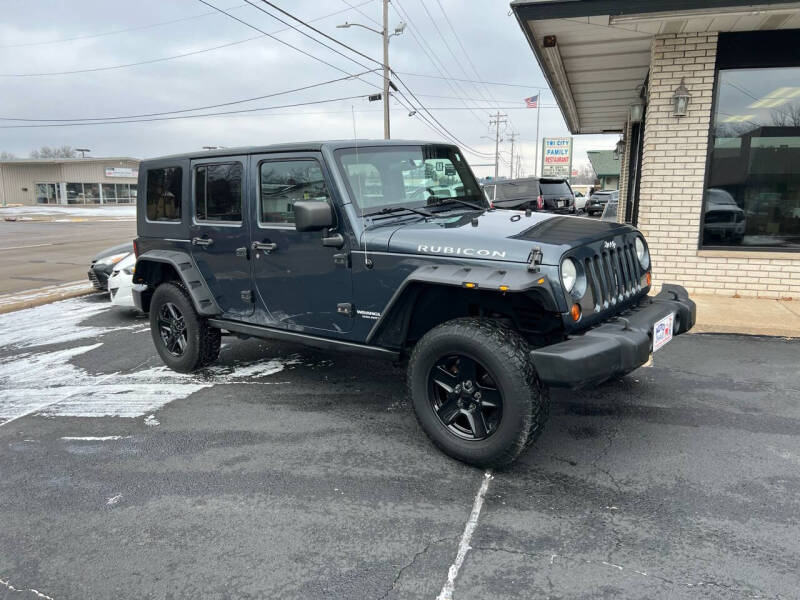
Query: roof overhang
(595, 54)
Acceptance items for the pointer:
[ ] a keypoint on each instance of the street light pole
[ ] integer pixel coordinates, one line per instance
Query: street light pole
(386, 133)
(386, 70)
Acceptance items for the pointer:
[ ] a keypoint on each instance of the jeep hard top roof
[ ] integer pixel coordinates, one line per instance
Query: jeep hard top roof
(313, 146)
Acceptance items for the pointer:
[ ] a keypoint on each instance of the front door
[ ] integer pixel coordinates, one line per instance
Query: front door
(301, 283)
(219, 232)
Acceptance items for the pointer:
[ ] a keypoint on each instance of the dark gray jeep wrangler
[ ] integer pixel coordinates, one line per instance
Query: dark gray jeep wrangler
(390, 249)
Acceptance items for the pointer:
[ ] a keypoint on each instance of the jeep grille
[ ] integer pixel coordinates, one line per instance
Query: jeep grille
(613, 275)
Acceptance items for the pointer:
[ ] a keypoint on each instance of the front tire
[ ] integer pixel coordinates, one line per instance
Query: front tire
(183, 338)
(475, 392)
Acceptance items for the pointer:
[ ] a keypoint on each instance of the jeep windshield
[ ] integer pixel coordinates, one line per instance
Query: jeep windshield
(412, 177)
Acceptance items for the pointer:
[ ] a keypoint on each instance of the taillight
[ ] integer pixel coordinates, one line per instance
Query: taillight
(136, 248)
(539, 202)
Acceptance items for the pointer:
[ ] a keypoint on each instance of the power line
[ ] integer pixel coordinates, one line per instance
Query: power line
(173, 118)
(520, 85)
(172, 112)
(362, 13)
(312, 28)
(435, 60)
(176, 56)
(301, 51)
(107, 33)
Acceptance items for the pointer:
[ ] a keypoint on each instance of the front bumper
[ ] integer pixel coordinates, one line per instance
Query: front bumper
(615, 347)
(99, 278)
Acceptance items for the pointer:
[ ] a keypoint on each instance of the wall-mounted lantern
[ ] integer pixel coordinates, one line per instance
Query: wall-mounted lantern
(619, 149)
(680, 100)
(636, 110)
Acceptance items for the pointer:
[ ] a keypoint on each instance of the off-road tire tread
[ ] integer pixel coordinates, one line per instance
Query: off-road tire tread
(210, 338)
(514, 350)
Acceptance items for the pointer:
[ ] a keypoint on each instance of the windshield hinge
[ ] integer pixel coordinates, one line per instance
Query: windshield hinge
(535, 259)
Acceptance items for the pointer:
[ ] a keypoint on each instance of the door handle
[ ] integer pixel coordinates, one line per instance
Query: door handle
(266, 247)
(205, 242)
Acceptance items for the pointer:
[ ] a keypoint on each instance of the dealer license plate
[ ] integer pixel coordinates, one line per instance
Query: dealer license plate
(662, 332)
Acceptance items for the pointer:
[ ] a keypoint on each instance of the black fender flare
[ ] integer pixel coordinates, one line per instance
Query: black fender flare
(500, 280)
(148, 271)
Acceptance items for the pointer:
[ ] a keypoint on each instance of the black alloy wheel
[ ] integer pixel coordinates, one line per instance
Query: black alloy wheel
(465, 397)
(172, 329)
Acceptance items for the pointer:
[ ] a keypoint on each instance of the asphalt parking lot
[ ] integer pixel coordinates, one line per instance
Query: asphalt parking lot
(284, 472)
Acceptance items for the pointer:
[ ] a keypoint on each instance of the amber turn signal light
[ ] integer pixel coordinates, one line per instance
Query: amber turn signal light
(576, 312)
(648, 278)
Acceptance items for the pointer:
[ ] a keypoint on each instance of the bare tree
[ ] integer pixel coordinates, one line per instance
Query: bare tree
(786, 117)
(585, 176)
(7, 155)
(55, 152)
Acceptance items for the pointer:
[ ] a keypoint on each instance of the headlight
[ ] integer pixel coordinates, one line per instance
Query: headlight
(641, 253)
(129, 270)
(111, 260)
(569, 274)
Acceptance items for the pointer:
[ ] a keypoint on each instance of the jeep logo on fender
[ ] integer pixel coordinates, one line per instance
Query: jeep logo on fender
(461, 251)
(609, 245)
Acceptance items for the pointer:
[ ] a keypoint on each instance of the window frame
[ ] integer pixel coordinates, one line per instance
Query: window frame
(729, 58)
(291, 226)
(179, 220)
(242, 192)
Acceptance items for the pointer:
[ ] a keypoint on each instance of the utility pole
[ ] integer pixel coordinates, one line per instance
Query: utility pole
(513, 136)
(497, 120)
(386, 134)
(386, 70)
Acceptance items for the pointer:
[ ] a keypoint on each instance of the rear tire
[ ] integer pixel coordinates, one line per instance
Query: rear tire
(442, 385)
(183, 339)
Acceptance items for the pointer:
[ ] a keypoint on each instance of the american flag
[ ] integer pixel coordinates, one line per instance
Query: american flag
(532, 102)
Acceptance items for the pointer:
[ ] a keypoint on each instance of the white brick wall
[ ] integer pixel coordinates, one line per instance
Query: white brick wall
(673, 172)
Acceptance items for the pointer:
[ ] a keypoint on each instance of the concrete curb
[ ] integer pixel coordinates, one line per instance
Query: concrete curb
(749, 316)
(31, 299)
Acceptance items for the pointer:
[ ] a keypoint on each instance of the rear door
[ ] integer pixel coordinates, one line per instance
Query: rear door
(220, 233)
(303, 284)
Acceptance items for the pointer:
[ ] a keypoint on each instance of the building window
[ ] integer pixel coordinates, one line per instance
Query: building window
(164, 194)
(109, 193)
(285, 182)
(46, 193)
(752, 196)
(218, 192)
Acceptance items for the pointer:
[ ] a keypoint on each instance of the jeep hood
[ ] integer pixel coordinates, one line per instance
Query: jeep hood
(500, 235)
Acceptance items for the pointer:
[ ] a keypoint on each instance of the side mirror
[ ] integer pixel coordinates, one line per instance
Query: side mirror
(312, 215)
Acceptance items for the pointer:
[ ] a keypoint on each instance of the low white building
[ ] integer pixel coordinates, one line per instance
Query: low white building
(31, 181)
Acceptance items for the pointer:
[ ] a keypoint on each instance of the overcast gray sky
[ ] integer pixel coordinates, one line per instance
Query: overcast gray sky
(37, 40)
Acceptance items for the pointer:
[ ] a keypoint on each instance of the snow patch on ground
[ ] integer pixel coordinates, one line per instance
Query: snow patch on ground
(51, 324)
(71, 211)
(48, 383)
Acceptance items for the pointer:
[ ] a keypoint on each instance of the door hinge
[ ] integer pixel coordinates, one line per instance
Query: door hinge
(345, 308)
(342, 260)
(247, 296)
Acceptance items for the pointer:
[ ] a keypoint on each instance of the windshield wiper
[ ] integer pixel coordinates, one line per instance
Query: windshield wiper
(396, 209)
(459, 201)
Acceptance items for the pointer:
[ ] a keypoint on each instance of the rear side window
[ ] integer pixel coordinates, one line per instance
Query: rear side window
(284, 182)
(164, 194)
(218, 192)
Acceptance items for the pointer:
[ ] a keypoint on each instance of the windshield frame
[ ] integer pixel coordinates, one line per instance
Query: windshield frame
(463, 172)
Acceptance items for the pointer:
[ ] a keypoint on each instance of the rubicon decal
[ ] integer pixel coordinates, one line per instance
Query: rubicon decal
(461, 251)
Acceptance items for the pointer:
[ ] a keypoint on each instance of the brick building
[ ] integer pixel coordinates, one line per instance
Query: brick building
(706, 98)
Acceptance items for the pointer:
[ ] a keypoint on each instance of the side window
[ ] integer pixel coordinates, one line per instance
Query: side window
(284, 182)
(218, 192)
(164, 194)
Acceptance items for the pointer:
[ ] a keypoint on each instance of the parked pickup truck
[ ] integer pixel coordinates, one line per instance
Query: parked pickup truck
(347, 246)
